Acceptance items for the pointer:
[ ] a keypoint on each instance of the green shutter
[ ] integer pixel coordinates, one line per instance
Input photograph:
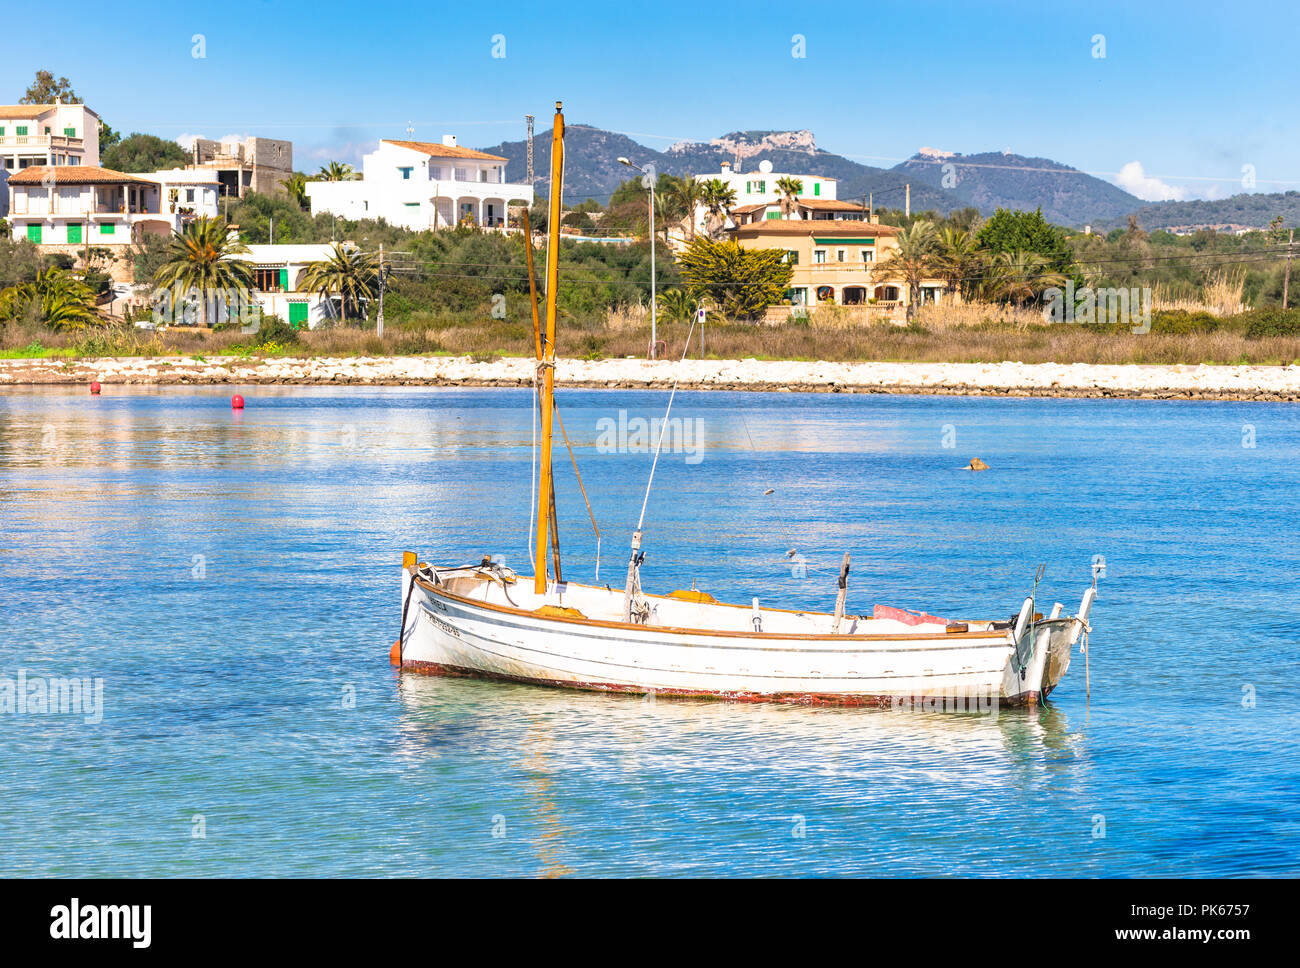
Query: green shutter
(74, 234)
(21, 129)
(70, 132)
(108, 228)
(817, 188)
(297, 314)
(33, 233)
(284, 280)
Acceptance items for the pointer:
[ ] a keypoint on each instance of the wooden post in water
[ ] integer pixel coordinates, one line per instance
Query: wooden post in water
(546, 485)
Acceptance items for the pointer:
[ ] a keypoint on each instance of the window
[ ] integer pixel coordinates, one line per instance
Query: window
(868, 255)
(772, 215)
(406, 173)
(792, 257)
(21, 129)
(268, 280)
(74, 234)
(189, 194)
(817, 188)
(2, 132)
(47, 129)
(462, 174)
(841, 255)
(819, 256)
(108, 228)
(70, 132)
(33, 233)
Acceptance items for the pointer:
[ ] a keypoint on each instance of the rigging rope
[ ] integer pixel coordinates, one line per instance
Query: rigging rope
(663, 427)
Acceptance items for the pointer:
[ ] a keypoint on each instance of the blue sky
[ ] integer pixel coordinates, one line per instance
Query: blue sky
(1189, 92)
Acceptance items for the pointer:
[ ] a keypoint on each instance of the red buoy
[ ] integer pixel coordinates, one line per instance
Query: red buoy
(236, 402)
(94, 388)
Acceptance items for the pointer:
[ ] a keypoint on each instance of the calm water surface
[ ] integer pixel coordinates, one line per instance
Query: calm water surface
(233, 579)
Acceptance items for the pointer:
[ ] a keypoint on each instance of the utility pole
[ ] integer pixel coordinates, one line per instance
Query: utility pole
(379, 320)
(528, 120)
(1286, 280)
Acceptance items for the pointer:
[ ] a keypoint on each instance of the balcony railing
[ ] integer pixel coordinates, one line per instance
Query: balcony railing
(42, 140)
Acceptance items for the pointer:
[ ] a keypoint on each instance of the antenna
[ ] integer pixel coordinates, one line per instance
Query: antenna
(410, 129)
(528, 120)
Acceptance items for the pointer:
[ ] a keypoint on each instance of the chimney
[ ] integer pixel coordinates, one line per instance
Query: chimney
(726, 166)
(449, 140)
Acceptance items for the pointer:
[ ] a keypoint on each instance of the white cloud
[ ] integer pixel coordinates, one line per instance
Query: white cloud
(186, 141)
(1137, 182)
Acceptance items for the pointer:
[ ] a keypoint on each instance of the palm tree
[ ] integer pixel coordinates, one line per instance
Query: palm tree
(336, 171)
(717, 197)
(202, 258)
(685, 193)
(295, 186)
(678, 305)
(1020, 276)
(349, 273)
(790, 189)
(959, 260)
(57, 298)
(914, 258)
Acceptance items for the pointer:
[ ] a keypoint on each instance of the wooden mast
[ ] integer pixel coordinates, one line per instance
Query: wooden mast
(546, 484)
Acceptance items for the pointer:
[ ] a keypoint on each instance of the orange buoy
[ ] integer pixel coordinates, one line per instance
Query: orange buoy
(94, 387)
(395, 653)
(236, 402)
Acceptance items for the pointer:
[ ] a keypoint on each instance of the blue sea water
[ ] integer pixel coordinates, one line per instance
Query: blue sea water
(233, 580)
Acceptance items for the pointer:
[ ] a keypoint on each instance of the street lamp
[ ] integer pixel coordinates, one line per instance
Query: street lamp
(648, 181)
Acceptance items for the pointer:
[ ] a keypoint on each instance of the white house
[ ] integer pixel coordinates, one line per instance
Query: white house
(756, 192)
(75, 205)
(277, 283)
(188, 192)
(420, 185)
(45, 135)
(80, 205)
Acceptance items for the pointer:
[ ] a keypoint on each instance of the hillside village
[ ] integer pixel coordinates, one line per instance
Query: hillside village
(306, 250)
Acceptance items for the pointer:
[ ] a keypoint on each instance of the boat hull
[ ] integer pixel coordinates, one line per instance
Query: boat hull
(449, 634)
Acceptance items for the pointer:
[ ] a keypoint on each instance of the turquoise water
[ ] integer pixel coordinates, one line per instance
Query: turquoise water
(233, 581)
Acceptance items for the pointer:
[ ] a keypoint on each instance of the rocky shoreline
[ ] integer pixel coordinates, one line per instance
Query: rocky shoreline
(1186, 382)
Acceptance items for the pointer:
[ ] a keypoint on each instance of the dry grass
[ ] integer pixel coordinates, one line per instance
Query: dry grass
(973, 333)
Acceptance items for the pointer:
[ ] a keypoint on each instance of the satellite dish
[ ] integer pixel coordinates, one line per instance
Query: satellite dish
(765, 167)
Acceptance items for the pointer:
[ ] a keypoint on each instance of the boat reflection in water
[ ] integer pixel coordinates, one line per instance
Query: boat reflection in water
(584, 778)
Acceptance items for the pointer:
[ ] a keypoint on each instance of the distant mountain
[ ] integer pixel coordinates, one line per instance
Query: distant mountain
(1243, 211)
(987, 181)
(591, 168)
(994, 179)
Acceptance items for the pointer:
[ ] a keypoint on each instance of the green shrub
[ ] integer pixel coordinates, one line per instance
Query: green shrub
(273, 329)
(1270, 321)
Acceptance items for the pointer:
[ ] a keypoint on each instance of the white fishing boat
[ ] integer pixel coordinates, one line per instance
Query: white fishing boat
(487, 621)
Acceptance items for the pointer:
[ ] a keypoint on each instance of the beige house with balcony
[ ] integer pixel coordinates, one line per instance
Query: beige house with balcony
(45, 135)
(835, 262)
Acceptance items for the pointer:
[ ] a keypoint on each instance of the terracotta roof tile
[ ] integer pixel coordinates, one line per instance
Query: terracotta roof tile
(821, 227)
(443, 151)
(76, 175)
